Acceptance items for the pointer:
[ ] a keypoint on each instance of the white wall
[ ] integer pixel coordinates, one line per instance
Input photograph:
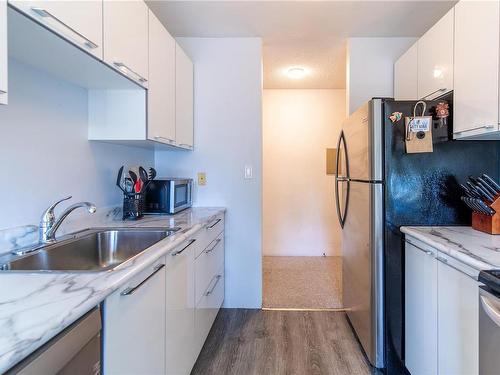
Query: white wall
(299, 203)
(370, 68)
(228, 136)
(44, 151)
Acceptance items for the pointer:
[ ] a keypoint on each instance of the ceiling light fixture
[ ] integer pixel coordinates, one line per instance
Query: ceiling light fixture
(296, 72)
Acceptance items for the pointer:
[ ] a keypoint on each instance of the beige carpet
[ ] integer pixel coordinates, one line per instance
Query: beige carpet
(302, 282)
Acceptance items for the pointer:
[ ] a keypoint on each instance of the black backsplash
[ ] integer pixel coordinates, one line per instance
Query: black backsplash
(422, 189)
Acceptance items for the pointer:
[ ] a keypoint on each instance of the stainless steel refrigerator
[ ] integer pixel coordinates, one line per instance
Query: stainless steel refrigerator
(359, 199)
(379, 188)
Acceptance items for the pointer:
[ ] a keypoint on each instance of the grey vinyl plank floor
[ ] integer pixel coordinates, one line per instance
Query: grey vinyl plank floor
(263, 342)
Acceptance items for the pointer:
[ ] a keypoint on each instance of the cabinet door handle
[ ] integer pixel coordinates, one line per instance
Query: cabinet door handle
(46, 14)
(165, 138)
(476, 128)
(125, 69)
(428, 252)
(217, 241)
(217, 278)
(132, 290)
(184, 248)
(445, 261)
(434, 92)
(3, 92)
(214, 224)
(185, 145)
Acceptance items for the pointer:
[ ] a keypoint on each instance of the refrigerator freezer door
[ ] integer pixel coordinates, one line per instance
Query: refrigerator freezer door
(362, 270)
(363, 137)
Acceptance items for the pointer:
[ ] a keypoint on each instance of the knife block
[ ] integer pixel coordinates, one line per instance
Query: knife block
(485, 223)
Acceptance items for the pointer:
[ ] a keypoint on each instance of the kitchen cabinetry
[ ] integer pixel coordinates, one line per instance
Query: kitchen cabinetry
(134, 324)
(80, 22)
(180, 314)
(3, 52)
(125, 28)
(458, 317)
(476, 100)
(161, 93)
(435, 59)
(405, 75)
(183, 99)
(441, 312)
(420, 310)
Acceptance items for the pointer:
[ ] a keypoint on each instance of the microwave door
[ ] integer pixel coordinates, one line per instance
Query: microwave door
(180, 196)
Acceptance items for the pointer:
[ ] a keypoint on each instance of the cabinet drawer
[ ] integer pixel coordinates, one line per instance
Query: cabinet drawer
(207, 264)
(210, 232)
(208, 307)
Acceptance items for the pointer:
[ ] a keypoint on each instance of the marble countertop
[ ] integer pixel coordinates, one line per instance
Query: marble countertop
(479, 250)
(34, 307)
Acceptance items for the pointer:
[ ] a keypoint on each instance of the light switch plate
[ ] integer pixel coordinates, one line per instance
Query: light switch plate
(248, 172)
(202, 178)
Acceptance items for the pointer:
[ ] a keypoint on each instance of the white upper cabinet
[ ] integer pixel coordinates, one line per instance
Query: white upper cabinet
(183, 99)
(475, 106)
(435, 59)
(77, 21)
(405, 75)
(126, 38)
(161, 92)
(3, 52)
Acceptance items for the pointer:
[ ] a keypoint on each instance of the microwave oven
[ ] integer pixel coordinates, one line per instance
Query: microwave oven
(168, 195)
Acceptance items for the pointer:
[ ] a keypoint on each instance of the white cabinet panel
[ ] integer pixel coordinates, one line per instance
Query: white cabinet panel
(420, 310)
(180, 319)
(458, 317)
(126, 38)
(435, 59)
(3, 52)
(161, 88)
(475, 106)
(183, 99)
(406, 74)
(78, 21)
(134, 325)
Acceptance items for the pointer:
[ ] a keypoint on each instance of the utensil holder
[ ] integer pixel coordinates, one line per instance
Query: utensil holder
(133, 206)
(485, 223)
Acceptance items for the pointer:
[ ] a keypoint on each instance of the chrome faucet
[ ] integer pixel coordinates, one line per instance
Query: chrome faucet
(49, 224)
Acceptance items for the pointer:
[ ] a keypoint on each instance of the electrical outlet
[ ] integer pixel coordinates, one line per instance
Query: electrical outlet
(248, 172)
(202, 179)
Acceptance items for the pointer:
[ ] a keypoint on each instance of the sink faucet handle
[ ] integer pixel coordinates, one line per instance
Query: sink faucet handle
(48, 215)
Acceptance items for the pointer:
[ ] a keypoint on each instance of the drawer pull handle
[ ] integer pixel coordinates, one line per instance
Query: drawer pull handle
(46, 14)
(184, 248)
(132, 290)
(125, 69)
(217, 278)
(165, 138)
(214, 224)
(217, 241)
(445, 261)
(3, 92)
(476, 128)
(434, 92)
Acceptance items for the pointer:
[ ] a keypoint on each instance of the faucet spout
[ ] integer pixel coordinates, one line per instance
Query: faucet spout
(49, 225)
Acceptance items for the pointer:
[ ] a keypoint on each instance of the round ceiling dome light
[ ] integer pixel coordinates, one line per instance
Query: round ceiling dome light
(296, 72)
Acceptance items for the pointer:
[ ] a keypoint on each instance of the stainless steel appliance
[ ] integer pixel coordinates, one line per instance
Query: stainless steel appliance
(168, 195)
(379, 188)
(489, 322)
(359, 197)
(76, 350)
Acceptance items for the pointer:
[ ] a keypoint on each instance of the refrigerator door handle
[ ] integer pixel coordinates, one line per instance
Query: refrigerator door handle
(338, 179)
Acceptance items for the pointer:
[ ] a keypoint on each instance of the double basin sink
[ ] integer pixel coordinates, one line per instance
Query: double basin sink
(91, 250)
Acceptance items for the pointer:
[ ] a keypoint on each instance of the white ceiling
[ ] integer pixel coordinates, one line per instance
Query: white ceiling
(307, 33)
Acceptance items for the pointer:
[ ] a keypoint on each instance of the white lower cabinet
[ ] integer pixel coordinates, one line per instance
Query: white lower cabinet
(180, 314)
(134, 324)
(420, 310)
(158, 322)
(441, 313)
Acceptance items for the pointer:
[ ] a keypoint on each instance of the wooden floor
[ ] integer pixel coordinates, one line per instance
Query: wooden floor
(261, 342)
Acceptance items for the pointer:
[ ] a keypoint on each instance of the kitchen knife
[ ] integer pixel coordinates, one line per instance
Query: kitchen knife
(486, 186)
(488, 210)
(466, 201)
(492, 183)
(480, 206)
(480, 190)
(119, 179)
(467, 191)
(472, 188)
